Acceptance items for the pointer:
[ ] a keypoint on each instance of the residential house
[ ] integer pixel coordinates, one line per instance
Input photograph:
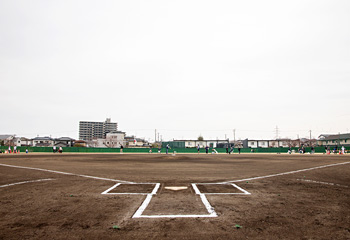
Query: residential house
(80, 143)
(334, 140)
(64, 142)
(113, 139)
(132, 141)
(7, 140)
(43, 142)
(250, 143)
(22, 141)
(204, 143)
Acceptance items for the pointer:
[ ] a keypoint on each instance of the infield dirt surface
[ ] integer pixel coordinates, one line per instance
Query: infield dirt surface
(68, 204)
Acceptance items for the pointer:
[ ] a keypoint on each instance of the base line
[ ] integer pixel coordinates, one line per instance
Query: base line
(39, 180)
(286, 173)
(65, 173)
(325, 183)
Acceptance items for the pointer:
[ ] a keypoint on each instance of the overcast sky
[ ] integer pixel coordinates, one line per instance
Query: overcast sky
(186, 68)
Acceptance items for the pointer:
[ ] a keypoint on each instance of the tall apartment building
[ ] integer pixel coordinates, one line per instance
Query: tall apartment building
(92, 130)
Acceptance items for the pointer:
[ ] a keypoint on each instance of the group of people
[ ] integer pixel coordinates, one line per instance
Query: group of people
(55, 150)
(15, 150)
(335, 150)
(213, 151)
(160, 149)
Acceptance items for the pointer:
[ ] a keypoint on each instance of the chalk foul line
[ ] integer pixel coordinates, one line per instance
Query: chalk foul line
(325, 183)
(286, 173)
(32, 181)
(65, 173)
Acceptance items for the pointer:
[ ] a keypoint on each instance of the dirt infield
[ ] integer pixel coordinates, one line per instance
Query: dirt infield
(253, 196)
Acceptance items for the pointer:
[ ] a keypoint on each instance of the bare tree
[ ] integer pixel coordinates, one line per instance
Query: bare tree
(92, 143)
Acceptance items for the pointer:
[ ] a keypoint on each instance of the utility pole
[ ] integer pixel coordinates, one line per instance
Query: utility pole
(310, 137)
(234, 135)
(276, 132)
(155, 135)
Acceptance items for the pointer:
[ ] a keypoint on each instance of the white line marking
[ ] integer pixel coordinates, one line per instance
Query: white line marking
(244, 192)
(196, 190)
(110, 189)
(291, 172)
(39, 180)
(143, 206)
(209, 208)
(66, 173)
(155, 189)
(175, 216)
(175, 188)
(326, 183)
(145, 203)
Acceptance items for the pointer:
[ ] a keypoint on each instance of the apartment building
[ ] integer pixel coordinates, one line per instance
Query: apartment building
(93, 130)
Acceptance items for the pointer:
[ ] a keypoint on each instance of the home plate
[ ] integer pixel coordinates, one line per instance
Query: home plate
(176, 188)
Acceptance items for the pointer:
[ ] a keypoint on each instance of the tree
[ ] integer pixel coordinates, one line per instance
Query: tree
(200, 138)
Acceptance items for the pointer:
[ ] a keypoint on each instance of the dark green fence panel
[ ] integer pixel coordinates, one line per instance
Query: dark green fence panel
(163, 150)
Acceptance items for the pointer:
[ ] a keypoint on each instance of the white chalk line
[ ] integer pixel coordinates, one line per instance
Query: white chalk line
(285, 173)
(326, 183)
(243, 191)
(66, 173)
(111, 188)
(32, 181)
(144, 205)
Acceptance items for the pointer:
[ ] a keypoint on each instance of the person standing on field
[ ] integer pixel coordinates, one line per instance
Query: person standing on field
(198, 148)
(121, 148)
(206, 149)
(231, 150)
(167, 148)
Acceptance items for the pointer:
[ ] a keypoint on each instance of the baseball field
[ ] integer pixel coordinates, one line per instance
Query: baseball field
(182, 196)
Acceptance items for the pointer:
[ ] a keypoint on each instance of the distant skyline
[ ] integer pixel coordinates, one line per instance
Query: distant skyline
(185, 68)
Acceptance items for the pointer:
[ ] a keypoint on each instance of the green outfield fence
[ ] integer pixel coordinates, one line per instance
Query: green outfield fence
(155, 150)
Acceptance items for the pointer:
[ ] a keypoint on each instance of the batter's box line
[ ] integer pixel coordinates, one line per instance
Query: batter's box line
(243, 191)
(154, 191)
(144, 205)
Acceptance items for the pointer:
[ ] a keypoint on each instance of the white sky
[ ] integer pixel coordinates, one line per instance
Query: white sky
(183, 67)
